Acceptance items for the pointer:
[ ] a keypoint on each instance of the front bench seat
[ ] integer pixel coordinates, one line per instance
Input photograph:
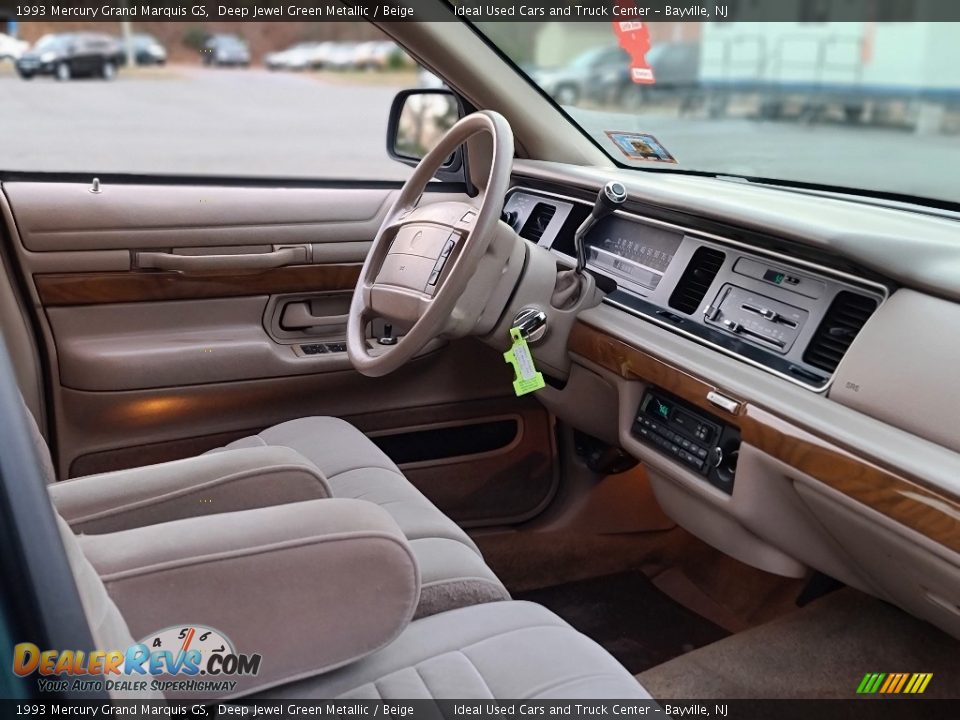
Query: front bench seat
(356, 468)
(452, 567)
(344, 464)
(517, 650)
(505, 650)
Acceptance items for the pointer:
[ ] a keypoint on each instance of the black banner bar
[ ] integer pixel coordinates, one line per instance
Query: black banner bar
(868, 708)
(479, 11)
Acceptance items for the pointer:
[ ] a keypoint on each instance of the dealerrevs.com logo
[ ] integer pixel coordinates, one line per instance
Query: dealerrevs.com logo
(182, 658)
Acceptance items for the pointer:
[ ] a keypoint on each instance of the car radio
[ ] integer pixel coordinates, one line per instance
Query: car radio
(703, 443)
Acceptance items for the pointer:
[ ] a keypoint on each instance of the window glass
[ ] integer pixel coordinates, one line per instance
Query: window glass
(864, 106)
(297, 100)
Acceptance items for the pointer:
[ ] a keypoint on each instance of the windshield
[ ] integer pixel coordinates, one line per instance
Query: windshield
(50, 42)
(228, 42)
(869, 107)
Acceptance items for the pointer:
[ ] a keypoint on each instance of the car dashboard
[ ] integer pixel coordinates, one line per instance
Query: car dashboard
(781, 370)
(788, 316)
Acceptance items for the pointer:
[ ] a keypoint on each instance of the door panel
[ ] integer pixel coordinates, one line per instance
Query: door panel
(95, 288)
(207, 338)
(96, 422)
(484, 462)
(126, 217)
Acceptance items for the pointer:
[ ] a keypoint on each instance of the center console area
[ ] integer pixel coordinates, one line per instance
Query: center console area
(698, 440)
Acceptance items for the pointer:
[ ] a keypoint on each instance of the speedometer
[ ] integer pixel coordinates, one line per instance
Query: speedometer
(638, 253)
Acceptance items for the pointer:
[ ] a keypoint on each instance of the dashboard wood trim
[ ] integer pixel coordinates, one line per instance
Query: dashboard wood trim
(95, 288)
(903, 499)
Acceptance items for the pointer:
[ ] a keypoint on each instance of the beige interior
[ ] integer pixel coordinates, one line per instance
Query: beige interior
(125, 375)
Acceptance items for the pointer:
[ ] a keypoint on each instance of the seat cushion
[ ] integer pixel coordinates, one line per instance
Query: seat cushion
(356, 468)
(453, 571)
(515, 650)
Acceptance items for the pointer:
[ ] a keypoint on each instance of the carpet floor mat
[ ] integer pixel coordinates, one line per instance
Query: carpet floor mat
(626, 614)
(821, 651)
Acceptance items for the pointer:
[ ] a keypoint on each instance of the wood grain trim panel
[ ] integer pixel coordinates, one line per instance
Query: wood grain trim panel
(60, 289)
(907, 500)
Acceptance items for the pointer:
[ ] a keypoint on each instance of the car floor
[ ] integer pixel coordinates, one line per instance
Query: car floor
(692, 622)
(625, 613)
(717, 587)
(820, 651)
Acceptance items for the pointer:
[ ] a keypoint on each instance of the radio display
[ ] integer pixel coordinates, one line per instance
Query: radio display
(633, 251)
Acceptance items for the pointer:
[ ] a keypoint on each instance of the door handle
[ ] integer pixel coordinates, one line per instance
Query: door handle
(297, 316)
(202, 263)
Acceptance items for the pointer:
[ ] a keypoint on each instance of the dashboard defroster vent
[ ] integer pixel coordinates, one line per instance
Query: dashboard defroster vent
(696, 280)
(845, 317)
(538, 221)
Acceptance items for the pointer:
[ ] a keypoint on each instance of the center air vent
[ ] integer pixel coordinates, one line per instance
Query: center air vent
(537, 222)
(845, 317)
(696, 280)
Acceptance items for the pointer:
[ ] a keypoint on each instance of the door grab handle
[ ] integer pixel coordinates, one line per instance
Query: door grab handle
(201, 263)
(297, 316)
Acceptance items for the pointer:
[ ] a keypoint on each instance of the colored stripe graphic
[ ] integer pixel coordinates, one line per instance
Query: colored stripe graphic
(885, 688)
(901, 683)
(894, 683)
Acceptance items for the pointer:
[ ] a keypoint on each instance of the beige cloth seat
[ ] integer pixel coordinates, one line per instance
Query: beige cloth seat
(310, 458)
(356, 468)
(504, 650)
(451, 565)
(517, 650)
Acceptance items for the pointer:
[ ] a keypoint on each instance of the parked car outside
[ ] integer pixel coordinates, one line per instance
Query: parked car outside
(11, 48)
(675, 66)
(147, 50)
(70, 55)
(226, 51)
(302, 56)
(380, 55)
(340, 56)
(581, 77)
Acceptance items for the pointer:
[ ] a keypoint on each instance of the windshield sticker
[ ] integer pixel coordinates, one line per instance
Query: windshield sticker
(640, 146)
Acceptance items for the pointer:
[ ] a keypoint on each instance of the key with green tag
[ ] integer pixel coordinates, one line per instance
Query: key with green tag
(527, 378)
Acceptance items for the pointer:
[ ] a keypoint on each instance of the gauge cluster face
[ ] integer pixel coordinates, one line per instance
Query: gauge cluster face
(637, 253)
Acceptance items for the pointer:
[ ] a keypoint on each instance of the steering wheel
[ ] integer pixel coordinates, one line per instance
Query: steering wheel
(423, 257)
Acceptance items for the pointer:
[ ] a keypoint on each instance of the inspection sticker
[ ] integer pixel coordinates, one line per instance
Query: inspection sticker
(640, 146)
(528, 379)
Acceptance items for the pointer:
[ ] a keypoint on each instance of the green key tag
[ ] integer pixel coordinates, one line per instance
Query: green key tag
(528, 379)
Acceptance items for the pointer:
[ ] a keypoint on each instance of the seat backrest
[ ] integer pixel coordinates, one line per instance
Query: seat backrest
(107, 626)
(43, 450)
(109, 629)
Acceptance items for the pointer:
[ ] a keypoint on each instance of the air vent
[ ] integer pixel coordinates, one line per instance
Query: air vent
(536, 224)
(846, 315)
(696, 279)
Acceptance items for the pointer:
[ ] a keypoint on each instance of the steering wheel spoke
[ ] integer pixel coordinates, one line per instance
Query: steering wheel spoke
(400, 306)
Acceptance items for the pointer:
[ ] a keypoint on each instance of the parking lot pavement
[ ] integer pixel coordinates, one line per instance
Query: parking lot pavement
(191, 120)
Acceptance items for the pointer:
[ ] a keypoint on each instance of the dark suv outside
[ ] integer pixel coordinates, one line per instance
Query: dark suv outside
(71, 55)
